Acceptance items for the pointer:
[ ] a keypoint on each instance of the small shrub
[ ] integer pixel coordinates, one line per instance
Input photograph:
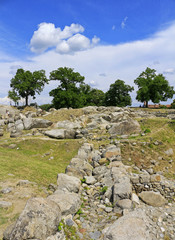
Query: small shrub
(83, 180)
(60, 226)
(147, 130)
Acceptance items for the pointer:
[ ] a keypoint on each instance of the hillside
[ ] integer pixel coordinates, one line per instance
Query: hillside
(37, 145)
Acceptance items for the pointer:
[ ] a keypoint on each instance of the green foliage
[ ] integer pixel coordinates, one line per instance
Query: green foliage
(46, 107)
(67, 94)
(79, 212)
(60, 226)
(152, 86)
(14, 96)
(83, 180)
(147, 130)
(118, 94)
(26, 83)
(173, 104)
(104, 189)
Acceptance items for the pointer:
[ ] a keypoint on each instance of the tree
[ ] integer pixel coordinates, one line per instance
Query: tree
(92, 96)
(152, 86)
(26, 83)
(118, 94)
(13, 95)
(68, 92)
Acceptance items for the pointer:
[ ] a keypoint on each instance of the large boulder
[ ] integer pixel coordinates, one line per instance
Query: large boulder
(72, 184)
(30, 123)
(61, 133)
(39, 219)
(67, 125)
(126, 127)
(68, 202)
(129, 227)
(154, 199)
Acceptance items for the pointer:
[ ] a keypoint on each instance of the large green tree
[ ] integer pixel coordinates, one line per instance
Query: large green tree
(26, 83)
(152, 86)
(68, 93)
(118, 94)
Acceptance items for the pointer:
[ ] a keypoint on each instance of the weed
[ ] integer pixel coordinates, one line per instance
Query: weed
(104, 189)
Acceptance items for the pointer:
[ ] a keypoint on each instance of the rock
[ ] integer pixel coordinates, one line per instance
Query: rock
(58, 236)
(61, 133)
(67, 125)
(56, 133)
(95, 235)
(90, 180)
(154, 199)
(15, 134)
(30, 123)
(12, 146)
(135, 199)
(19, 125)
(122, 189)
(81, 165)
(39, 219)
(169, 152)
(5, 204)
(132, 226)
(6, 190)
(124, 204)
(7, 232)
(72, 184)
(68, 202)
(24, 182)
(127, 127)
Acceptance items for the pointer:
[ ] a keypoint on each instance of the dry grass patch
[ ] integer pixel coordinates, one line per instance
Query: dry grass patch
(64, 114)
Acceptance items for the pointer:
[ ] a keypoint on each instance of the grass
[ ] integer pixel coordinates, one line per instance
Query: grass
(63, 114)
(37, 160)
(161, 130)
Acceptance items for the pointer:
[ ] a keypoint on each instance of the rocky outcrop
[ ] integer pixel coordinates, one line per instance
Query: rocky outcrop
(129, 227)
(39, 219)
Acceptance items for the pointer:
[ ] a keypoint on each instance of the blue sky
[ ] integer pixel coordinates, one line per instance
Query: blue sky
(102, 39)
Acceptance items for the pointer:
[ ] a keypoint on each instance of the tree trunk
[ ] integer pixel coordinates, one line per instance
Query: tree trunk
(26, 100)
(146, 104)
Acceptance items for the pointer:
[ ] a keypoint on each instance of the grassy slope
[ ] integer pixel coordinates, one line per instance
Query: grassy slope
(30, 159)
(162, 131)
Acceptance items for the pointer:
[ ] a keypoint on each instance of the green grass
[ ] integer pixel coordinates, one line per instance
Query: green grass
(31, 161)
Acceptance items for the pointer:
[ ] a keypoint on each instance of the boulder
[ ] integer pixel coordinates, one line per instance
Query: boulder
(30, 123)
(39, 219)
(72, 184)
(61, 133)
(132, 226)
(126, 127)
(68, 202)
(122, 189)
(154, 199)
(5, 204)
(67, 125)
(81, 165)
(56, 133)
(19, 125)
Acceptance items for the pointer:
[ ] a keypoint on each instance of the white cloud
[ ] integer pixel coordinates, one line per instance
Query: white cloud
(122, 61)
(123, 24)
(5, 100)
(169, 71)
(66, 41)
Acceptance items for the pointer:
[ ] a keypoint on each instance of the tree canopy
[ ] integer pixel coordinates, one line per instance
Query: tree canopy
(118, 94)
(26, 83)
(152, 86)
(68, 92)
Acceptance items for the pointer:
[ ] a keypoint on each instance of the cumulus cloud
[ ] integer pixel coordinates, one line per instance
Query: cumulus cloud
(169, 71)
(13, 69)
(113, 27)
(66, 41)
(123, 24)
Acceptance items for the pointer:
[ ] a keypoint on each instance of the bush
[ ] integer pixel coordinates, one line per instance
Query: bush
(46, 107)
